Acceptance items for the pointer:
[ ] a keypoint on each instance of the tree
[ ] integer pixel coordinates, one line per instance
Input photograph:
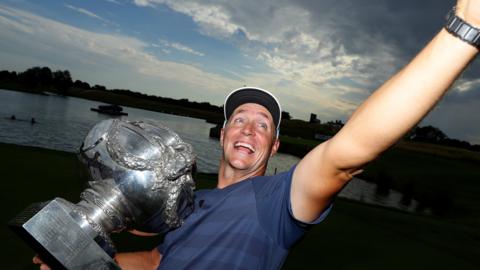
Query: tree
(45, 76)
(286, 115)
(99, 87)
(31, 76)
(6, 76)
(80, 84)
(62, 80)
(428, 134)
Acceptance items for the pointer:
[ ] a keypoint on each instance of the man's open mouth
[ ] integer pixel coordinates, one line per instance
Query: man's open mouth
(244, 146)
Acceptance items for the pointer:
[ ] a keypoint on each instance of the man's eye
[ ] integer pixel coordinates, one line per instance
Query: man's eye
(263, 125)
(238, 120)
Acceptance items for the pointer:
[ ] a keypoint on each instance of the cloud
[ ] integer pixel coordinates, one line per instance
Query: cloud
(213, 19)
(285, 36)
(57, 44)
(322, 56)
(457, 119)
(114, 1)
(86, 12)
(180, 47)
(319, 41)
(143, 3)
(329, 55)
(464, 85)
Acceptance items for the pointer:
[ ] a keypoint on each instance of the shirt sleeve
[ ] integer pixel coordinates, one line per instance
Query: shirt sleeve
(272, 194)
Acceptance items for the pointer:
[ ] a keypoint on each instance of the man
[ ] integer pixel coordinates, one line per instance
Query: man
(250, 221)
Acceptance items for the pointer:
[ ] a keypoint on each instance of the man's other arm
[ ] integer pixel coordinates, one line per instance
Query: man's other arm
(382, 119)
(145, 260)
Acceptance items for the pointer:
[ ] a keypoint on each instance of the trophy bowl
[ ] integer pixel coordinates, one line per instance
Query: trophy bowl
(140, 179)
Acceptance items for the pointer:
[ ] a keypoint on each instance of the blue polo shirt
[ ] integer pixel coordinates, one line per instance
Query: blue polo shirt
(247, 225)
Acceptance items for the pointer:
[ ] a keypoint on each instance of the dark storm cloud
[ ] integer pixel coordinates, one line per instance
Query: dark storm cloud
(405, 26)
(462, 97)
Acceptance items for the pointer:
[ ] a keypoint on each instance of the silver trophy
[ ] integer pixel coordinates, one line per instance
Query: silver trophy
(140, 180)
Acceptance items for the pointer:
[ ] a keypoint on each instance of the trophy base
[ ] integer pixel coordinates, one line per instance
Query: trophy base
(55, 235)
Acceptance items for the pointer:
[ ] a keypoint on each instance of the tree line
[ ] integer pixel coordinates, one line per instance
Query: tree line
(36, 77)
(41, 79)
(434, 135)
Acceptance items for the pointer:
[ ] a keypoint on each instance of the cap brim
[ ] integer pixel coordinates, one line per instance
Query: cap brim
(253, 95)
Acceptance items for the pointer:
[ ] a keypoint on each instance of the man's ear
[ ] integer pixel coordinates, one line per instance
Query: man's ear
(221, 137)
(275, 146)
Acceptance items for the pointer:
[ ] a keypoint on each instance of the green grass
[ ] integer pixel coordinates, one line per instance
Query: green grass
(354, 236)
(434, 175)
(440, 151)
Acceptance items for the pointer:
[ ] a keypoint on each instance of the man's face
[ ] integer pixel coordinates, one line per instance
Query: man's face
(248, 139)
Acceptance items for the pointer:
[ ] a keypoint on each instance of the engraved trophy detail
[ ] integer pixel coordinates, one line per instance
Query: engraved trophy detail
(140, 180)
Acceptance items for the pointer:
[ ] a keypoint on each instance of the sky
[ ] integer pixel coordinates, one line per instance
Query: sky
(324, 57)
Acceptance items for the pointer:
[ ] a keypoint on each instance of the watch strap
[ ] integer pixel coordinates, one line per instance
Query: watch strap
(463, 30)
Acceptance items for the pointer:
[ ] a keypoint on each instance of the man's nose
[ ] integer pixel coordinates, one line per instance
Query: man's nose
(248, 129)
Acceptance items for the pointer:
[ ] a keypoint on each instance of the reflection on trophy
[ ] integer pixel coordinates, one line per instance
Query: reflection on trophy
(141, 179)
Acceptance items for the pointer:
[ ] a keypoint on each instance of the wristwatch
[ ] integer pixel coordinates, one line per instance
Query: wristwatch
(461, 29)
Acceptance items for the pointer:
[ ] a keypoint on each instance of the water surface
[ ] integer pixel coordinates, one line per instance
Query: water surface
(61, 123)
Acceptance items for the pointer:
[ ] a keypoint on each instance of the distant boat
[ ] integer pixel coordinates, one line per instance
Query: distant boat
(109, 109)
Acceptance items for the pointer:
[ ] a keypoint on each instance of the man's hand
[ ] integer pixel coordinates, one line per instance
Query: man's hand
(128, 260)
(37, 260)
(469, 11)
(139, 260)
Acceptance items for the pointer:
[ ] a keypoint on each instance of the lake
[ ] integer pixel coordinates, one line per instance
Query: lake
(61, 123)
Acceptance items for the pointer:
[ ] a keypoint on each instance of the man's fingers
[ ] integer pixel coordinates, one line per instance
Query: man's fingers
(37, 260)
(44, 267)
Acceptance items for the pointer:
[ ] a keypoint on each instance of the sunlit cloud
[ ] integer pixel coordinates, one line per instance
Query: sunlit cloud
(463, 85)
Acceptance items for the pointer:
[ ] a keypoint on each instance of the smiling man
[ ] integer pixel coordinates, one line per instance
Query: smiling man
(250, 136)
(250, 221)
(247, 221)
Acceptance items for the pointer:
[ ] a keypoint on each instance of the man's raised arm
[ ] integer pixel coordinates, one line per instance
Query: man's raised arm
(383, 118)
